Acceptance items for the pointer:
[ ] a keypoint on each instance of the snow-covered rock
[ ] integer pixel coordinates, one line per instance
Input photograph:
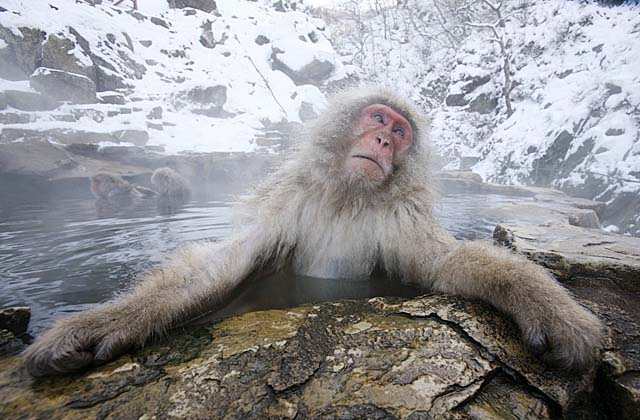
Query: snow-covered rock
(575, 89)
(145, 59)
(63, 86)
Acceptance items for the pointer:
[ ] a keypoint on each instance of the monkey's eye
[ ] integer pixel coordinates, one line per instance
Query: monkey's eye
(378, 117)
(399, 131)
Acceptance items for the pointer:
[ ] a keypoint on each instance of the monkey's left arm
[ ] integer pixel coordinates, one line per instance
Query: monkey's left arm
(201, 275)
(552, 323)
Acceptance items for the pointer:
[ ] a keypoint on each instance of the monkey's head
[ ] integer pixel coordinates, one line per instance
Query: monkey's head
(104, 185)
(369, 138)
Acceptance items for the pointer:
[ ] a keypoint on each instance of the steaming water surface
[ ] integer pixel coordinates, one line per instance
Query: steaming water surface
(66, 255)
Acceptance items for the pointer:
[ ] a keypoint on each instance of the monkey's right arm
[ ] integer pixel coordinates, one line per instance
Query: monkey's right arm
(199, 276)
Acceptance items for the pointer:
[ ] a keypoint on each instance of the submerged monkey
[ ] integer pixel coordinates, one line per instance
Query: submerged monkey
(113, 187)
(356, 195)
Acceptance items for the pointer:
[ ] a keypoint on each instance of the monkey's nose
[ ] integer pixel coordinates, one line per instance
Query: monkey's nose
(383, 142)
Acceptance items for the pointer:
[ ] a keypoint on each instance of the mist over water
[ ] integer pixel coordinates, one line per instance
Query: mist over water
(65, 255)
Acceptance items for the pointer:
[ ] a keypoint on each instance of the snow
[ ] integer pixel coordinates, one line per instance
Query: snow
(20, 85)
(255, 92)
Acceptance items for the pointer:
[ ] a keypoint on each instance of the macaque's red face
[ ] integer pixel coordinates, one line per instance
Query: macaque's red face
(95, 185)
(383, 137)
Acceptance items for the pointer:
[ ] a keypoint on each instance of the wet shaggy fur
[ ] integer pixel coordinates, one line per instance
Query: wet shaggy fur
(329, 222)
(169, 183)
(114, 187)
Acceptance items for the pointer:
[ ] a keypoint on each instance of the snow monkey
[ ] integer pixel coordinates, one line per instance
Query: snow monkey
(113, 187)
(169, 183)
(356, 195)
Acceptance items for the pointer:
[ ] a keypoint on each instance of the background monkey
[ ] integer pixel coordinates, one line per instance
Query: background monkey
(356, 195)
(113, 187)
(169, 183)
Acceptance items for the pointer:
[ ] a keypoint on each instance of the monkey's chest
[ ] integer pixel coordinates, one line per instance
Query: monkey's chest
(336, 252)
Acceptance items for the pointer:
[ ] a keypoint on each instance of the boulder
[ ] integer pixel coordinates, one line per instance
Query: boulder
(64, 86)
(110, 97)
(15, 319)
(307, 111)
(155, 113)
(137, 137)
(456, 99)
(313, 72)
(14, 118)
(483, 104)
(211, 95)
(204, 5)
(604, 270)
(428, 357)
(159, 22)
(20, 57)
(9, 343)
(475, 82)
(60, 53)
(29, 101)
(34, 156)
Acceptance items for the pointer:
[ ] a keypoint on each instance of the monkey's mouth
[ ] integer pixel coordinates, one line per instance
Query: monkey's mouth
(371, 159)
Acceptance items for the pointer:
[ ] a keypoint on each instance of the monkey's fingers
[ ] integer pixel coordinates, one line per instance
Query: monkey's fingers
(45, 358)
(569, 340)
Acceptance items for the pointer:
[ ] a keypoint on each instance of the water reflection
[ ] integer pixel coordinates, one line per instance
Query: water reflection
(66, 255)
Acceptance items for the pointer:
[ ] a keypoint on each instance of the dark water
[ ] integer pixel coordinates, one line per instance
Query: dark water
(66, 255)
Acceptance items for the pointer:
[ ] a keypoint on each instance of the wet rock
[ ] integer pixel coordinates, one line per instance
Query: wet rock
(604, 270)
(114, 98)
(3, 101)
(146, 42)
(435, 357)
(483, 104)
(58, 53)
(120, 152)
(34, 156)
(63, 86)
(204, 5)
(15, 319)
(22, 53)
(466, 182)
(29, 101)
(586, 219)
(9, 343)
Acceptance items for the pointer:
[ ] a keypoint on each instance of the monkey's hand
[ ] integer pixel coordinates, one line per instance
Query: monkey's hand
(561, 331)
(76, 342)
(552, 323)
